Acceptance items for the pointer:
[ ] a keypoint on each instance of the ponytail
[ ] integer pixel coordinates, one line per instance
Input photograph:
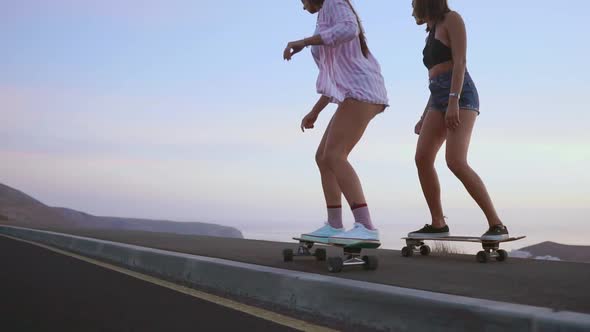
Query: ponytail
(362, 38)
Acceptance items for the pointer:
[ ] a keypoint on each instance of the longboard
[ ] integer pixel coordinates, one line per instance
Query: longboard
(491, 248)
(335, 264)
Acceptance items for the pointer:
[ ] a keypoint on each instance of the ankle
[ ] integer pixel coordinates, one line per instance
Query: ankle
(496, 222)
(439, 222)
(362, 216)
(335, 216)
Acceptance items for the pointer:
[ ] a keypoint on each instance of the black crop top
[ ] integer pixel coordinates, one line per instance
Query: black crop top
(435, 51)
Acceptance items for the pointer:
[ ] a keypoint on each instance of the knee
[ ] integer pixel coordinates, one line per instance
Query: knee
(423, 160)
(457, 166)
(332, 159)
(320, 160)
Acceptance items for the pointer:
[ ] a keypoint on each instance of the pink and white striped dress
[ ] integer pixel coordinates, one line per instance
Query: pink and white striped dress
(344, 70)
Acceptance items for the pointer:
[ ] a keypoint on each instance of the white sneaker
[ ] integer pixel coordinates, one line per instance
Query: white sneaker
(358, 234)
(322, 234)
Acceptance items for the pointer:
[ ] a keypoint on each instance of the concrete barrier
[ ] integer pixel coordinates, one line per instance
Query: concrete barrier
(377, 306)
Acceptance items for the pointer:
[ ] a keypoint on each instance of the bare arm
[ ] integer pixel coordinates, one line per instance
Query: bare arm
(309, 120)
(425, 109)
(297, 46)
(458, 41)
(321, 104)
(418, 126)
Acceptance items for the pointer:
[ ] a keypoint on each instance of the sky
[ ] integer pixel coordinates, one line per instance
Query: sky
(185, 110)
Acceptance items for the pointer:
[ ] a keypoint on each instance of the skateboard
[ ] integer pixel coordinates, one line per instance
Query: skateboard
(491, 248)
(352, 253)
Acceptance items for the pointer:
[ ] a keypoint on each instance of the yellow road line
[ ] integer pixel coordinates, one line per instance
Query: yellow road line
(254, 311)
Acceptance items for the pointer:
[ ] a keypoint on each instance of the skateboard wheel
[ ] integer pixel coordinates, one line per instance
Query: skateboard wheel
(371, 262)
(320, 254)
(482, 257)
(425, 250)
(335, 264)
(502, 255)
(287, 255)
(407, 252)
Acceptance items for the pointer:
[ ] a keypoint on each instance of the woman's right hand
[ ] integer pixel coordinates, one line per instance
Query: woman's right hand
(293, 48)
(309, 120)
(418, 127)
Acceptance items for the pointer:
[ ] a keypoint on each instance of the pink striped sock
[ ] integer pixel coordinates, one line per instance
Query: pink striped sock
(335, 216)
(362, 216)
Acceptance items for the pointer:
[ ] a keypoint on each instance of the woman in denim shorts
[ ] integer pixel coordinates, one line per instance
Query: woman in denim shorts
(449, 116)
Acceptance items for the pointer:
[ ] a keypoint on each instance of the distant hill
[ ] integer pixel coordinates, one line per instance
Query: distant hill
(561, 251)
(19, 209)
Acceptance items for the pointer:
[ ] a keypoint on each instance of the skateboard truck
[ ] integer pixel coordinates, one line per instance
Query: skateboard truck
(353, 258)
(491, 250)
(304, 249)
(336, 264)
(415, 246)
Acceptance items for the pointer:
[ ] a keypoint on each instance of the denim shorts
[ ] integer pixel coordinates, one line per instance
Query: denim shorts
(440, 87)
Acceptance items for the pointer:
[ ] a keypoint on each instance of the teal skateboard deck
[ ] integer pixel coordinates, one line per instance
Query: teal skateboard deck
(360, 245)
(491, 248)
(352, 254)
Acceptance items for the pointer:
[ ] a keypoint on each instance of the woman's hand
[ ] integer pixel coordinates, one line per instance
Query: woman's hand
(418, 126)
(309, 120)
(452, 116)
(293, 48)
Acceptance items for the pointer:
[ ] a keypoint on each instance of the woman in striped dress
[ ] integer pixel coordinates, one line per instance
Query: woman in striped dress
(351, 77)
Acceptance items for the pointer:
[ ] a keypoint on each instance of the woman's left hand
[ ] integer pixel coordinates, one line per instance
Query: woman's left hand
(293, 48)
(452, 116)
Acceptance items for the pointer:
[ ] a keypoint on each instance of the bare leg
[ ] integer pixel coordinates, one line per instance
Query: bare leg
(432, 136)
(456, 156)
(345, 130)
(332, 192)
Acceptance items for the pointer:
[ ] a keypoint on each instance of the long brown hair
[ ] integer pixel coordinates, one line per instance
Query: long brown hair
(431, 9)
(362, 38)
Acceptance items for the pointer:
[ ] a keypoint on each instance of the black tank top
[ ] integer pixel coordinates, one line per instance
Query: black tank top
(435, 51)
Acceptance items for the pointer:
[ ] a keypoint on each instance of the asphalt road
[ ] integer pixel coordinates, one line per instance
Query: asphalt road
(44, 291)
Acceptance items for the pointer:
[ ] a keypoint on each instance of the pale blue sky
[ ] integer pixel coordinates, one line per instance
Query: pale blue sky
(185, 110)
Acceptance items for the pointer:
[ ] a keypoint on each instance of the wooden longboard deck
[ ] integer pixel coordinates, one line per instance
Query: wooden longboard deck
(363, 245)
(464, 239)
